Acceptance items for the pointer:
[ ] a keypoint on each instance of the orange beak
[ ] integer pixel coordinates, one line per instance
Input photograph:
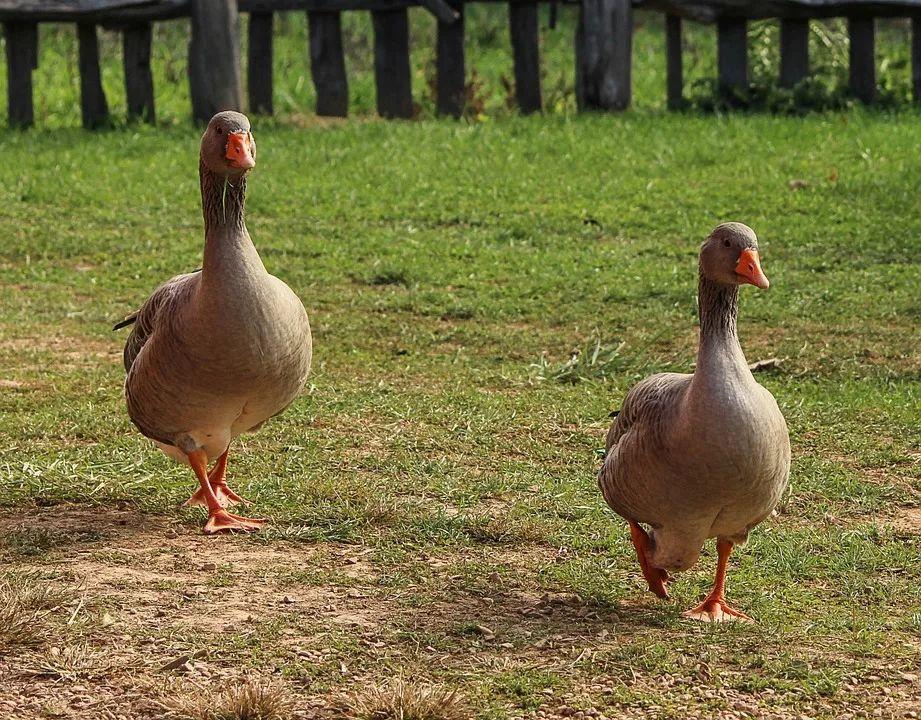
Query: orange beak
(749, 269)
(240, 150)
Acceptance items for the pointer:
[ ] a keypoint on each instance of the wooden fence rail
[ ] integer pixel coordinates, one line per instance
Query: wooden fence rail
(602, 50)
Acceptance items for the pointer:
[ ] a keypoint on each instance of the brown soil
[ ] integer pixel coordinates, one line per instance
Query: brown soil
(160, 610)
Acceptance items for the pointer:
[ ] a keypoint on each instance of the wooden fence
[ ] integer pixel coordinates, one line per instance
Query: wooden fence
(732, 16)
(602, 49)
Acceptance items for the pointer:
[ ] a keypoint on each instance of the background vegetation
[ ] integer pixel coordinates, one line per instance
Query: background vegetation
(488, 63)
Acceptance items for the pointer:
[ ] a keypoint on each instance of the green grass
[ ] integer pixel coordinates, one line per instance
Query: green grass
(439, 475)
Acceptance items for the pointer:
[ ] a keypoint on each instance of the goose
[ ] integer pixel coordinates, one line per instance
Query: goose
(705, 455)
(216, 352)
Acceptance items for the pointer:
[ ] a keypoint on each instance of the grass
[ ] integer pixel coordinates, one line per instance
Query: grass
(482, 296)
(252, 699)
(26, 602)
(402, 700)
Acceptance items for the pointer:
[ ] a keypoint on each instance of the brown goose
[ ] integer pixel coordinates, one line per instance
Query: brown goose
(216, 352)
(703, 455)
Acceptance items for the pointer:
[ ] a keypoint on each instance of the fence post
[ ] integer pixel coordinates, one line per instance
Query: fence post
(674, 72)
(916, 57)
(327, 63)
(732, 57)
(794, 51)
(259, 64)
(450, 73)
(93, 106)
(524, 31)
(391, 63)
(214, 59)
(139, 93)
(604, 45)
(21, 60)
(862, 58)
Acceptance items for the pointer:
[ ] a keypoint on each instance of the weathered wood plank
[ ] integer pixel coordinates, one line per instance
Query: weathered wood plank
(327, 63)
(862, 58)
(441, 10)
(93, 106)
(21, 60)
(525, 36)
(70, 8)
(214, 59)
(604, 37)
(450, 73)
(712, 10)
(136, 42)
(259, 65)
(674, 67)
(116, 13)
(109, 15)
(794, 52)
(732, 57)
(916, 57)
(391, 63)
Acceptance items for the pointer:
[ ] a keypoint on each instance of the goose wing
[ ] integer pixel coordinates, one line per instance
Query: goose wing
(145, 319)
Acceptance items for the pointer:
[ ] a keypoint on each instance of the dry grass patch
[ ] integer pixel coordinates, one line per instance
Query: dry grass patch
(253, 699)
(34, 541)
(70, 663)
(26, 601)
(403, 700)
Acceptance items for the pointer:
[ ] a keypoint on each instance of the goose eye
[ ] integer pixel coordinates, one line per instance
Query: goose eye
(218, 130)
(726, 243)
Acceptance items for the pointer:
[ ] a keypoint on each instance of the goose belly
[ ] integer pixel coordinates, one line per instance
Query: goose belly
(211, 421)
(259, 407)
(701, 486)
(185, 402)
(272, 360)
(753, 485)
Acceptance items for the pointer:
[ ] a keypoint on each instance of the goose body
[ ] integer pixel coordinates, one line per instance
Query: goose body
(702, 455)
(208, 365)
(217, 352)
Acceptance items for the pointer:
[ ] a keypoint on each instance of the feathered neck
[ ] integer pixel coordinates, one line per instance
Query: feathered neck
(718, 306)
(222, 201)
(719, 349)
(230, 261)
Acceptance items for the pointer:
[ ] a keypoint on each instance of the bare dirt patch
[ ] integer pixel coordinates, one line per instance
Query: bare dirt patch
(150, 591)
(69, 352)
(908, 520)
(159, 609)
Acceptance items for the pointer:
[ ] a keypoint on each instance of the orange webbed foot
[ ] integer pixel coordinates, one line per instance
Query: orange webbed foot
(656, 578)
(225, 496)
(223, 521)
(198, 499)
(716, 610)
(222, 493)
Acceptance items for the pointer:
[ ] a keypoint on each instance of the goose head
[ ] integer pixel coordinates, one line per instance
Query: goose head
(730, 256)
(227, 147)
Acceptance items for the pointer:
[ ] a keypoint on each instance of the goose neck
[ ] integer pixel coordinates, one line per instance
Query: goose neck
(718, 305)
(222, 201)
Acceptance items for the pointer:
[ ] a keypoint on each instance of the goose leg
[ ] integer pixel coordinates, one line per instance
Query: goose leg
(714, 608)
(218, 518)
(216, 477)
(225, 496)
(655, 577)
